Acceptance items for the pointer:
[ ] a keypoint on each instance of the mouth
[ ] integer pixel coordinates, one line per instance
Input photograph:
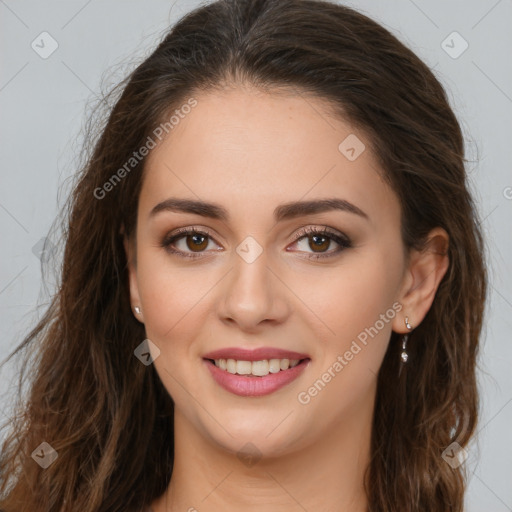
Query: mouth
(255, 378)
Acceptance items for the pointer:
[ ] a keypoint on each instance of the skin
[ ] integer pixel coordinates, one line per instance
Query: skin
(250, 151)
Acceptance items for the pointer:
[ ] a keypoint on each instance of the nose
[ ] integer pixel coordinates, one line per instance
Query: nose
(253, 295)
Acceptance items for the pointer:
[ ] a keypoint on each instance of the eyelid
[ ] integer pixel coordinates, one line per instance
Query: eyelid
(321, 230)
(189, 230)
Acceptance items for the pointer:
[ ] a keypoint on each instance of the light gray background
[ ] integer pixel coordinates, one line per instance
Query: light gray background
(43, 107)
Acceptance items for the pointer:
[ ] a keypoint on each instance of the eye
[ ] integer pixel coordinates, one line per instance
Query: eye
(319, 239)
(194, 240)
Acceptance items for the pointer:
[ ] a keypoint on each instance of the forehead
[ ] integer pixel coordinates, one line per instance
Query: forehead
(242, 146)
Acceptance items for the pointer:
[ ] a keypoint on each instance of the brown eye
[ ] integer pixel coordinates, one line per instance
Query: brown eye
(189, 243)
(319, 243)
(197, 241)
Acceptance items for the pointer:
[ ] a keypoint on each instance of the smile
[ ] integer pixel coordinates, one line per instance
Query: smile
(255, 378)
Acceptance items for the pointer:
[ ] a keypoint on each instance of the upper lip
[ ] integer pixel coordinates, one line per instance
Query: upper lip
(257, 354)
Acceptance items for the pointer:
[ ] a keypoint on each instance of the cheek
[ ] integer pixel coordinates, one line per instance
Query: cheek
(357, 306)
(173, 297)
(159, 293)
(351, 297)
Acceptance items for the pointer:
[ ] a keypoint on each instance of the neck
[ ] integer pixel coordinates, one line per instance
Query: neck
(323, 476)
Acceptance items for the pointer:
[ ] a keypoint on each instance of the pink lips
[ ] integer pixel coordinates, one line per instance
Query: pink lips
(243, 385)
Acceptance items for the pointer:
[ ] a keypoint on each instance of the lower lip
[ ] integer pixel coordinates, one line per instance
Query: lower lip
(255, 386)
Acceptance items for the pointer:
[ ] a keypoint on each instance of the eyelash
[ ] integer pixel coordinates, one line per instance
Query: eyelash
(342, 240)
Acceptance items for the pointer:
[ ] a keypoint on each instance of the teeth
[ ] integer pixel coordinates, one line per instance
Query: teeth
(255, 368)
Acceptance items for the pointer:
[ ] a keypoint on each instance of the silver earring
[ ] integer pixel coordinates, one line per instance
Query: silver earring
(404, 356)
(137, 310)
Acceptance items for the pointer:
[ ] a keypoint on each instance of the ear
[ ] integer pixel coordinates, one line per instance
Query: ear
(130, 249)
(425, 271)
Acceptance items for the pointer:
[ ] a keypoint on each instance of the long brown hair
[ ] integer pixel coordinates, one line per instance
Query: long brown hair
(109, 417)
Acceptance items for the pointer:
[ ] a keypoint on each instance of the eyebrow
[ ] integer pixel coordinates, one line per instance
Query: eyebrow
(282, 212)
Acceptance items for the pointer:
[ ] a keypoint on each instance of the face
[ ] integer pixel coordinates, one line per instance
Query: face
(260, 276)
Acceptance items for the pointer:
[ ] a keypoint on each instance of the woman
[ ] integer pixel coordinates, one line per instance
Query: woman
(273, 283)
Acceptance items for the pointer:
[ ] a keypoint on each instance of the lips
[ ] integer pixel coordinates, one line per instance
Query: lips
(257, 354)
(249, 386)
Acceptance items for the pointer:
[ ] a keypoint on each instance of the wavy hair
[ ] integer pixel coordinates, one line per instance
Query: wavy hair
(109, 418)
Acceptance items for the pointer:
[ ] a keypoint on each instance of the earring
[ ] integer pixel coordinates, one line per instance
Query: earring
(137, 310)
(404, 356)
